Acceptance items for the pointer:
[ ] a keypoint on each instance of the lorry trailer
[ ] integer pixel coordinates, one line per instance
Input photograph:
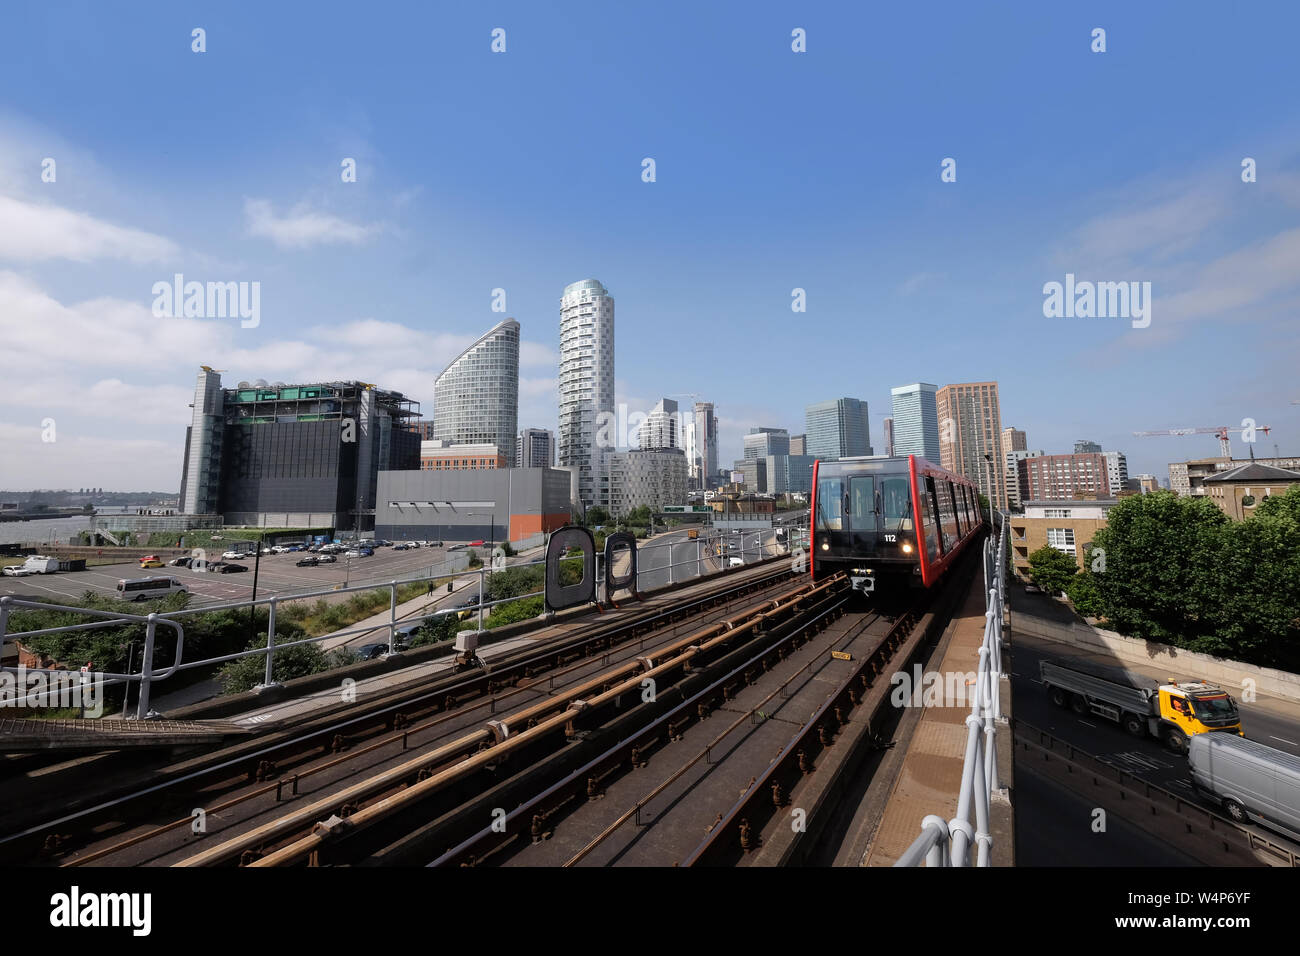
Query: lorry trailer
(1173, 712)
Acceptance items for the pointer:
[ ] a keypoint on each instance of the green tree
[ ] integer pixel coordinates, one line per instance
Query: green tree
(1161, 581)
(597, 515)
(1051, 569)
(1081, 589)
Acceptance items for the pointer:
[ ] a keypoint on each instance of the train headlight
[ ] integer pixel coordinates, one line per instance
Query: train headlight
(826, 545)
(907, 548)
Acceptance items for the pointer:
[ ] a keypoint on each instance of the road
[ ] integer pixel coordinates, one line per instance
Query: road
(1143, 757)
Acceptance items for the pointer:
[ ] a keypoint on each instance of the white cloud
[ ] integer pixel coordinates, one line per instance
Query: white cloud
(533, 354)
(31, 232)
(303, 226)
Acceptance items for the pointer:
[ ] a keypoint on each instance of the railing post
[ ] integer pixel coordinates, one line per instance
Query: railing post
(392, 616)
(146, 668)
(480, 598)
(267, 680)
(937, 855)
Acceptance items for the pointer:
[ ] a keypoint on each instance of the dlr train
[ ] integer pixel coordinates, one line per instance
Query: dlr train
(901, 521)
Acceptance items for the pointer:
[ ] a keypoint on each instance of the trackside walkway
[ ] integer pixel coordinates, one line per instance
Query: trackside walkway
(930, 778)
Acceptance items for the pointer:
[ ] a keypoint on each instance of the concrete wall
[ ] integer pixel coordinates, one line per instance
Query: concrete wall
(1179, 662)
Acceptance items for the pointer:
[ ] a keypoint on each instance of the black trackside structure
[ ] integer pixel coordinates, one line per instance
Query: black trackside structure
(903, 519)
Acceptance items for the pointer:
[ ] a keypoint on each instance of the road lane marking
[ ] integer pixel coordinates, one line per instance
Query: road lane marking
(1285, 741)
(1086, 724)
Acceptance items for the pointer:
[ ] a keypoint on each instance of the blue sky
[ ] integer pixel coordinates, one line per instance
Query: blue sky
(775, 170)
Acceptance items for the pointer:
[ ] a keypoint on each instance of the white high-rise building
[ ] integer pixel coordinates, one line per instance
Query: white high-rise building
(660, 429)
(476, 398)
(1116, 471)
(587, 386)
(693, 470)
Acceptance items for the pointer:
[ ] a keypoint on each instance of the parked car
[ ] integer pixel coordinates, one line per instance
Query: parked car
(295, 547)
(326, 559)
(231, 568)
(476, 544)
(401, 547)
(17, 571)
(279, 549)
(233, 555)
(308, 562)
(406, 632)
(150, 562)
(369, 652)
(352, 554)
(457, 547)
(181, 562)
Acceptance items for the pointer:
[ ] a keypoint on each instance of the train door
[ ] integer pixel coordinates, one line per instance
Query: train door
(862, 514)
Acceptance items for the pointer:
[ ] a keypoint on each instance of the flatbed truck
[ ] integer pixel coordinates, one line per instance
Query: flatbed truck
(1173, 712)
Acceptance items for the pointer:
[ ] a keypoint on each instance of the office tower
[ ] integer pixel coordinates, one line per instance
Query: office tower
(1085, 447)
(970, 436)
(916, 421)
(761, 442)
(706, 442)
(889, 438)
(837, 428)
(586, 385)
(659, 430)
(295, 456)
(798, 444)
(1013, 439)
(535, 448)
(476, 398)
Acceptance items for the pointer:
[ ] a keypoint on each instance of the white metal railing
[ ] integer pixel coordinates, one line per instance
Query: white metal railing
(947, 842)
(753, 547)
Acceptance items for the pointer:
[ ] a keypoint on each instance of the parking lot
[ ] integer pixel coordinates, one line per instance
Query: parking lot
(277, 575)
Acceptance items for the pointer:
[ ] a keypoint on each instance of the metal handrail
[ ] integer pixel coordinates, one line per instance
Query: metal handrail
(947, 843)
(146, 676)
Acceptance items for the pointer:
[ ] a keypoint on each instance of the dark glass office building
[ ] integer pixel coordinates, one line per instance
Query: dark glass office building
(277, 455)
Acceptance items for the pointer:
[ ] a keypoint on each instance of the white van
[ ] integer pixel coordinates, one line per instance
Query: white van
(1249, 780)
(146, 589)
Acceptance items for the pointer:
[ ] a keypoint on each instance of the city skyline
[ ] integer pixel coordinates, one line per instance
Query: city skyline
(387, 278)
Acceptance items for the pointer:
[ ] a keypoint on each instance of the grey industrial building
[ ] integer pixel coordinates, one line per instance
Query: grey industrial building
(278, 455)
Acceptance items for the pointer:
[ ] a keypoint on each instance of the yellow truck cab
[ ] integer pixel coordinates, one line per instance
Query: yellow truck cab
(1196, 707)
(693, 533)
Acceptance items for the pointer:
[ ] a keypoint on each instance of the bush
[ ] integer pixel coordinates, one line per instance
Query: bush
(1051, 569)
(290, 662)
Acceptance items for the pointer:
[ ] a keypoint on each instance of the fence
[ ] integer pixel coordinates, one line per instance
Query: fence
(947, 843)
(750, 547)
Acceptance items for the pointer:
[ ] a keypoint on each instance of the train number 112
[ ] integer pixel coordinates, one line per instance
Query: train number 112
(891, 537)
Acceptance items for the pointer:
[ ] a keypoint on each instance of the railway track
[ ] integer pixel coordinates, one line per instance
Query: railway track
(386, 819)
(147, 823)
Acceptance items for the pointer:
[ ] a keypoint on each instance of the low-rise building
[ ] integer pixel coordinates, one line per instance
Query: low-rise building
(470, 505)
(1188, 477)
(1067, 526)
(443, 456)
(1239, 490)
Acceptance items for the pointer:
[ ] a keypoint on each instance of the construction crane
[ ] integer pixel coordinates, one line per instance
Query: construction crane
(1221, 433)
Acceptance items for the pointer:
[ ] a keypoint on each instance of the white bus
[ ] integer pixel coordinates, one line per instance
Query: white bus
(145, 589)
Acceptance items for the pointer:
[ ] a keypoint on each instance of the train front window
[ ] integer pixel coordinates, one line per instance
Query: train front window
(830, 504)
(862, 503)
(896, 504)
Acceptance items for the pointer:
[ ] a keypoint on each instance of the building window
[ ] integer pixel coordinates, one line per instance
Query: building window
(1056, 512)
(1062, 539)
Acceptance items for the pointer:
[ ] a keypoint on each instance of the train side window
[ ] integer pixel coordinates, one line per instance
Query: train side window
(957, 515)
(931, 519)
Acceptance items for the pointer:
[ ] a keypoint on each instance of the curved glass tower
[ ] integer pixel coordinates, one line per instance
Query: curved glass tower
(476, 398)
(586, 385)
